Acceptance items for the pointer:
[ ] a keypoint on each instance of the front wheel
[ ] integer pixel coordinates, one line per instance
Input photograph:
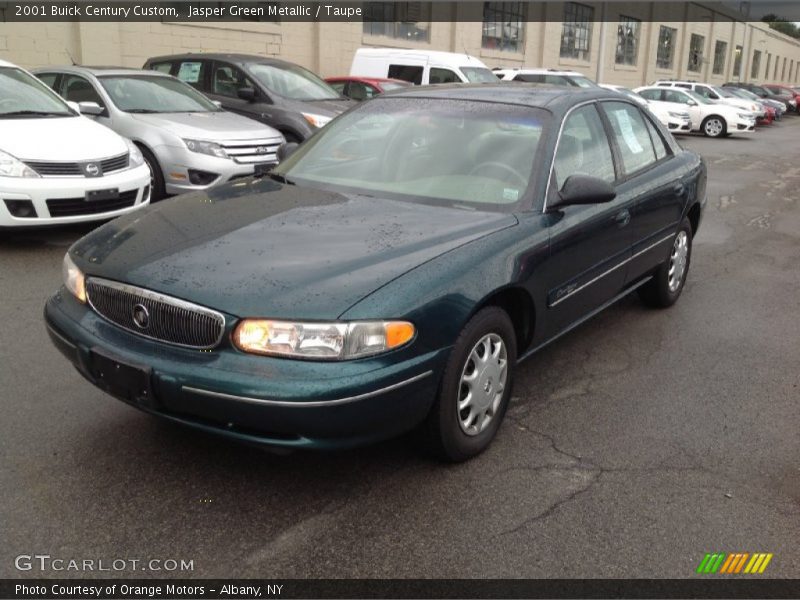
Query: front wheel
(714, 126)
(667, 283)
(475, 387)
(157, 186)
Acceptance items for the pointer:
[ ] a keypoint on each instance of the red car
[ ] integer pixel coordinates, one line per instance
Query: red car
(364, 88)
(785, 90)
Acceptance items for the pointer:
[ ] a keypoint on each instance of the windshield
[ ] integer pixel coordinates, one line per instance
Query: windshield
(22, 95)
(468, 155)
(154, 94)
(292, 81)
(478, 75)
(582, 82)
(723, 93)
(744, 94)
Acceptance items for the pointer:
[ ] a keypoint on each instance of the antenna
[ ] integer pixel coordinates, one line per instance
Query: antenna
(74, 64)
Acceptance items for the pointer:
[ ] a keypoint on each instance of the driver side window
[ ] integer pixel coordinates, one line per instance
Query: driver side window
(227, 81)
(583, 148)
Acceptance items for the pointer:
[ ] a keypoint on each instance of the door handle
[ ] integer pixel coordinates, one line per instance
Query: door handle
(622, 218)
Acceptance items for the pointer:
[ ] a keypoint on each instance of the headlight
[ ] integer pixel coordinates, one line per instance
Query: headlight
(678, 115)
(745, 116)
(317, 120)
(322, 341)
(135, 158)
(210, 148)
(74, 280)
(13, 167)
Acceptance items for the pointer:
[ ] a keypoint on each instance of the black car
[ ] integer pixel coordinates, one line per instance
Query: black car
(390, 273)
(763, 92)
(284, 95)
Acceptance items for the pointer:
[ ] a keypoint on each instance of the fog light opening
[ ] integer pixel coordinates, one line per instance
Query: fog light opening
(22, 209)
(201, 177)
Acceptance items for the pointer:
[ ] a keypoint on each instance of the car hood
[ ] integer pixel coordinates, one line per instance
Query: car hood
(59, 139)
(210, 126)
(259, 248)
(326, 108)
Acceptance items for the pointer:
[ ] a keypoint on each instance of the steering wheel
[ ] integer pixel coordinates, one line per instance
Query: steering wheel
(497, 165)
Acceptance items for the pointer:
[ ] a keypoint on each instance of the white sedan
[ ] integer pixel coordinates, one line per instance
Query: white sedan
(57, 167)
(714, 120)
(676, 120)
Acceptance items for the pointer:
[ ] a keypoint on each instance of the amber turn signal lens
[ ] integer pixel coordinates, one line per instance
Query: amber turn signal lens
(398, 333)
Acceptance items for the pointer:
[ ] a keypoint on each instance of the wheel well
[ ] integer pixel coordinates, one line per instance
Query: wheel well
(288, 133)
(520, 308)
(694, 217)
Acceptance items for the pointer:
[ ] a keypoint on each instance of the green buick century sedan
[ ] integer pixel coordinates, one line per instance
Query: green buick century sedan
(391, 273)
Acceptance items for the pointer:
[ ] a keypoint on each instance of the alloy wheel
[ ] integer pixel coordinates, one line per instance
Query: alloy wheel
(714, 127)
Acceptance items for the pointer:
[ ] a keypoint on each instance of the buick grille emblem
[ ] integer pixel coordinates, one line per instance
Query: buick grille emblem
(141, 317)
(92, 170)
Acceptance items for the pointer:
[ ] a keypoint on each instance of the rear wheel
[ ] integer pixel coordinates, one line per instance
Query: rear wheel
(667, 283)
(157, 187)
(475, 388)
(714, 126)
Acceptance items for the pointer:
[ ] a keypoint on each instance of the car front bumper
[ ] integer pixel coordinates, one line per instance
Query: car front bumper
(177, 164)
(62, 200)
(265, 400)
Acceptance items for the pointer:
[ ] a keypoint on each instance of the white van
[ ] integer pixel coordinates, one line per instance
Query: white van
(58, 167)
(420, 67)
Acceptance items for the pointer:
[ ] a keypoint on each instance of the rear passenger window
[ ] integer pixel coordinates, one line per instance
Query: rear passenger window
(583, 147)
(631, 135)
(658, 141)
(650, 94)
(443, 76)
(406, 73)
(164, 67)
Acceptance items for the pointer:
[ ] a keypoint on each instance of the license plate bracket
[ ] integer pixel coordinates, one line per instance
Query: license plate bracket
(100, 195)
(261, 169)
(122, 380)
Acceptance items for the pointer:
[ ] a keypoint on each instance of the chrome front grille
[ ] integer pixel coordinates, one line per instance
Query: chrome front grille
(155, 316)
(252, 151)
(76, 169)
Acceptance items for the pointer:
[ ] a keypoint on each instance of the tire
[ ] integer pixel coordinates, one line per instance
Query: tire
(714, 126)
(447, 429)
(291, 138)
(157, 187)
(664, 289)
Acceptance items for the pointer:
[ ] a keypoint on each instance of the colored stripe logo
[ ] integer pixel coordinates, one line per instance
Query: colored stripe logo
(734, 563)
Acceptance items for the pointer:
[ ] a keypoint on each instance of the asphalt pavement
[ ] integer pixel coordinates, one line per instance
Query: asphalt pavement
(633, 445)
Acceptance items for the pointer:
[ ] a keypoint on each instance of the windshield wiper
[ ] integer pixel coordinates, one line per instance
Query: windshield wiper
(37, 113)
(279, 178)
(143, 111)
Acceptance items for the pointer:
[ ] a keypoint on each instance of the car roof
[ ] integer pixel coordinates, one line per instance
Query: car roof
(538, 71)
(98, 71)
(5, 63)
(226, 56)
(436, 54)
(552, 97)
(368, 79)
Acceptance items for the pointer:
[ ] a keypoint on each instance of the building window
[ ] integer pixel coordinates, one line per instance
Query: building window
(627, 40)
(576, 31)
(696, 52)
(403, 20)
(783, 70)
(766, 71)
(737, 62)
(666, 47)
(756, 64)
(504, 26)
(720, 50)
(775, 70)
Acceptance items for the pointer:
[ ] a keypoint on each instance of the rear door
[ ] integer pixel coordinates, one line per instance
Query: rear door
(590, 244)
(650, 179)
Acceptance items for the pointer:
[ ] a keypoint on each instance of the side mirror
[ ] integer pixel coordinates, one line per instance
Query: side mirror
(285, 150)
(91, 108)
(246, 93)
(584, 189)
(691, 103)
(217, 103)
